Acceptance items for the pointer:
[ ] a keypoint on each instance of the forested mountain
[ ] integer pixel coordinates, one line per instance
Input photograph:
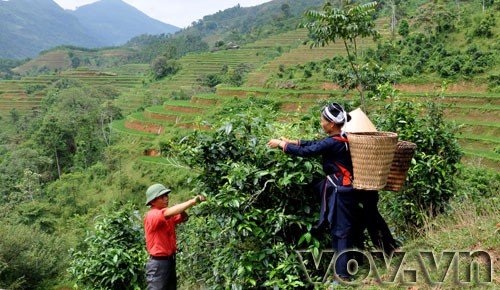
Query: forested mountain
(29, 27)
(257, 22)
(113, 22)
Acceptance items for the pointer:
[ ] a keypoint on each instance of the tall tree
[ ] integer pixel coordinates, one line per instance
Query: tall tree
(347, 23)
(50, 136)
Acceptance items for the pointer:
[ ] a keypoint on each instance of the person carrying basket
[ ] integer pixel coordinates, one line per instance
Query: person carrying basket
(338, 204)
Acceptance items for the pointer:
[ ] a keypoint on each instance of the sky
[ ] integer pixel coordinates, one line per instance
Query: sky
(180, 13)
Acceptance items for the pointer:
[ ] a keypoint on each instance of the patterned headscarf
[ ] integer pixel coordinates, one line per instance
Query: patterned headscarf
(335, 113)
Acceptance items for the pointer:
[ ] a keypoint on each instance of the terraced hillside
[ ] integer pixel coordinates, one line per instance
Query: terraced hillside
(195, 66)
(477, 113)
(302, 53)
(470, 105)
(13, 95)
(63, 59)
(26, 94)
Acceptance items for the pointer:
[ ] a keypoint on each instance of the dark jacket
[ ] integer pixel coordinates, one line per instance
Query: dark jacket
(337, 165)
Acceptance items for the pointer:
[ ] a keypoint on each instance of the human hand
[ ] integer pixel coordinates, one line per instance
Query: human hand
(274, 143)
(200, 198)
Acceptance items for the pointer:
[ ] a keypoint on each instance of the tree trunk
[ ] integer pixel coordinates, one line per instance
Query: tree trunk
(393, 20)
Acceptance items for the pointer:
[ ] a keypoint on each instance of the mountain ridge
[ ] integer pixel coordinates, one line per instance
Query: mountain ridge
(102, 17)
(29, 27)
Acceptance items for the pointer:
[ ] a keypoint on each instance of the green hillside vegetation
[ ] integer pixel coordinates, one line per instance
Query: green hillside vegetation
(86, 131)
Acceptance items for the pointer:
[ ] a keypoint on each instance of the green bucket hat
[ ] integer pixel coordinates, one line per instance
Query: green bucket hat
(154, 191)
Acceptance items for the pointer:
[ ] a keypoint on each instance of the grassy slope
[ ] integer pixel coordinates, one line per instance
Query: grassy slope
(469, 227)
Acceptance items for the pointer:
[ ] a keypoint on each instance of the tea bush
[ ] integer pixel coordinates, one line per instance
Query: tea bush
(112, 255)
(30, 258)
(260, 207)
(431, 180)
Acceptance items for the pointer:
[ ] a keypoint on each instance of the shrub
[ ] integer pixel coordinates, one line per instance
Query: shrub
(113, 254)
(211, 80)
(162, 67)
(260, 206)
(404, 28)
(477, 183)
(30, 258)
(431, 180)
(484, 28)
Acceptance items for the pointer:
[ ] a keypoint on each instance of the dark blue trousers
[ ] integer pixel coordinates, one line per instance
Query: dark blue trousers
(369, 218)
(342, 229)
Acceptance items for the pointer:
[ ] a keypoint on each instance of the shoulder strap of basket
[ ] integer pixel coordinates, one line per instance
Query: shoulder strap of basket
(340, 138)
(343, 172)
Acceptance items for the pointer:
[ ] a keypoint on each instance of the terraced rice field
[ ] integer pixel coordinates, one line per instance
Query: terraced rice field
(195, 66)
(14, 94)
(470, 104)
(478, 114)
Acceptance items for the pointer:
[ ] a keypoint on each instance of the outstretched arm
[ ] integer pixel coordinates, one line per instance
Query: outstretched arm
(181, 207)
(281, 142)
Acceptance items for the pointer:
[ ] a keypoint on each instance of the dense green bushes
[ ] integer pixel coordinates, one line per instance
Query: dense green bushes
(233, 77)
(259, 206)
(112, 255)
(30, 258)
(431, 181)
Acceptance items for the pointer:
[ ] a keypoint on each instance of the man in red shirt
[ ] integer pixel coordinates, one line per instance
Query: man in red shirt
(159, 227)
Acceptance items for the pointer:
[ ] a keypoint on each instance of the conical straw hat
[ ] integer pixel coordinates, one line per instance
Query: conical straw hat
(359, 123)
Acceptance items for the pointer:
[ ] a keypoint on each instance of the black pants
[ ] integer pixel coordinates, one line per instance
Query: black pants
(342, 230)
(161, 274)
(369, 218)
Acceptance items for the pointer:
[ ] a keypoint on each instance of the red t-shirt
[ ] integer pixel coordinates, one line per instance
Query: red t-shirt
(160, 232)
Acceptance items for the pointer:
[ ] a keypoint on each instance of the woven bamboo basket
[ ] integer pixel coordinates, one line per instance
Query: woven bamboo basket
(372, 154)
(400, 165)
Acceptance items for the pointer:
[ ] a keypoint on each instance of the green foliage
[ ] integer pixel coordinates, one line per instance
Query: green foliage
(163, 67)
(351, 22)
(431, 180)
(6, 66)
(112, 255)
(36, 215)
(260, 205)
(13, 168)
(30, 258)
(404, 28)
(87, 109)
(172, 47)
(348, 23)
(244, 25)
(475, 184)
(485, 26)
(211, 80)
(234, 77)
(419, 54)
